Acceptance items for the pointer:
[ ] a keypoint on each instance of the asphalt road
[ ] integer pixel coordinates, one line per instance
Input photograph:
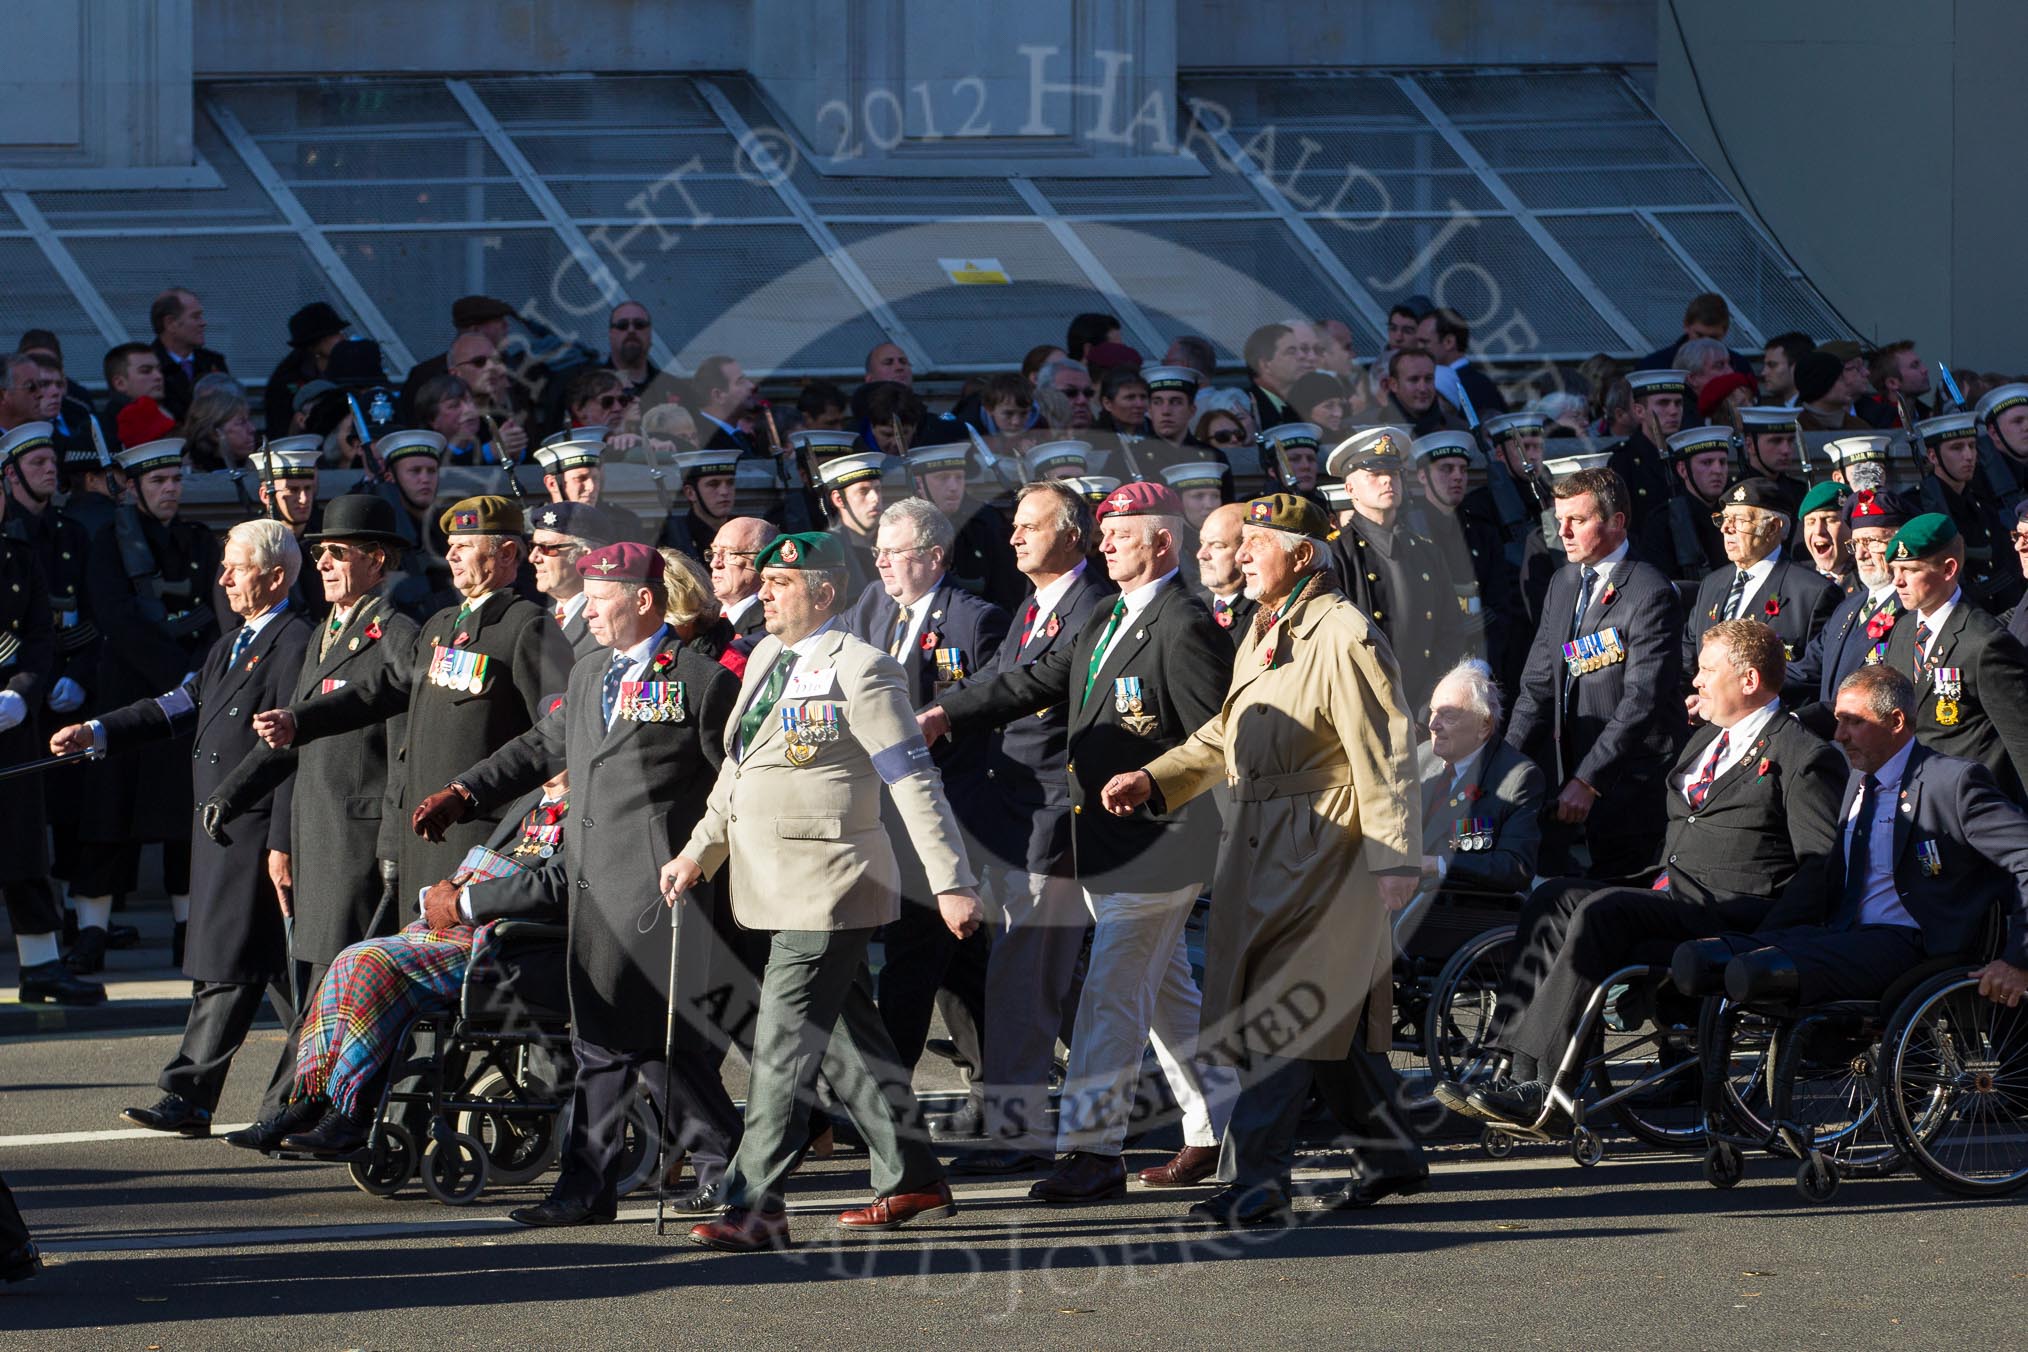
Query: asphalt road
(158, 1243)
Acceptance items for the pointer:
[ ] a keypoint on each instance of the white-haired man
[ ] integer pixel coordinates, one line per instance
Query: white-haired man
(1481, 799)
(240, 892)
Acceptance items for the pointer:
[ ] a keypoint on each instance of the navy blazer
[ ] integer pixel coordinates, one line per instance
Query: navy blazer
(1838, 650)
(1803, 598)
(1024, 818)
(1616, 727)
(1981, 842)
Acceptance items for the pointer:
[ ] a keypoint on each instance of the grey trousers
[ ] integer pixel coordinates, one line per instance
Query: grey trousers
(817, 1015)
(1031, 990)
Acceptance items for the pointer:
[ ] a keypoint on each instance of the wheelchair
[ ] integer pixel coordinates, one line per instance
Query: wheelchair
(480, 1094)
(1932, 1074)
(1632, 1059)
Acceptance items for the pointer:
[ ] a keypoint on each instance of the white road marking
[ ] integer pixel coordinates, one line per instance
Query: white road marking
(117, 1134)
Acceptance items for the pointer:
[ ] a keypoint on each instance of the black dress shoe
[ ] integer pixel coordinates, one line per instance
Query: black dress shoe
(334, 1134)
(122, 936)
(1243, 1206)
(19, 1264)
(1003, 1160)
(705, 1200)
(556, 1211)
(176, 943)
(172, 1112)
(966, 1124)
(88, 954)
(52, 983)
(1082, 1176)
(1519, 1104)
(1361, 1193)
(267, 1133)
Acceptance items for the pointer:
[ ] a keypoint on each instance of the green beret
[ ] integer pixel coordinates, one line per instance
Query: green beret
(1286, 511)
(1924, 537)
(487, 515)
(809, 551)
(1828, 496)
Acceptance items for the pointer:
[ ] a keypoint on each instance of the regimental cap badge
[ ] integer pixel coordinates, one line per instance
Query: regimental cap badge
(465, 520)
(605, 565)
(1901, 550)
(1739, 493)
(789, 552)
(1121, 502)
(1262, 510)
(548, 518)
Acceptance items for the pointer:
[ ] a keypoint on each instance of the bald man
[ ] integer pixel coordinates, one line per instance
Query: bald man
(1218, 578)
(734, 579)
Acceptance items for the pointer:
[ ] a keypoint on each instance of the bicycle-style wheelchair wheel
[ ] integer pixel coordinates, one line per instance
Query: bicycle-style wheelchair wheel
(1461, 1003)
(1954, 1072)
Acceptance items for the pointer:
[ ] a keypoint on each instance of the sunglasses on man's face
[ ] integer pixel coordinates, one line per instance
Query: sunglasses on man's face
(1227, 438)
(626, 325)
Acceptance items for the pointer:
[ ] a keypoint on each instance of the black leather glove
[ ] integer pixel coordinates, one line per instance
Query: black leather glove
(212, 815)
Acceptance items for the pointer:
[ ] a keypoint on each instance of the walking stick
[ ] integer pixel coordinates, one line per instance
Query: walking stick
(35, 766)
(668, 1057)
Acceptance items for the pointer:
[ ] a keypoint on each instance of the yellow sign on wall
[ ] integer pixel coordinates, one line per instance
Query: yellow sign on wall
(975, 271)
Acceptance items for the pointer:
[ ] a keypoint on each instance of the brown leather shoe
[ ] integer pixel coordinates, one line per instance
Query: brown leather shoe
(1082, 1176)
(1190, 1165)
(740, 1231)
(898, 1209)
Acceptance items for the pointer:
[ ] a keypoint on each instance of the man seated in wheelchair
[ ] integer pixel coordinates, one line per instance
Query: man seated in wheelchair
(1752, 804)
(1481, 819)
(1929, 849)
(374, 989)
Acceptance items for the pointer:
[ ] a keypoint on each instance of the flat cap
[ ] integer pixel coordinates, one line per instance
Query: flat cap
(625, 561)
(468, 312)
(1141, 499)
(486, 515)
(805, 551)
(1288, 512)
(1828, 496)
(1924, 537)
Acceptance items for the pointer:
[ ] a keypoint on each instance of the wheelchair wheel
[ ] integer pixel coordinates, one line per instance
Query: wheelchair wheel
(1955, 1078)
(389, 1163)
(1724, 1165)
(519, 1147)
(454, 1169)
(1817, 1178)
(638, 1142)
(1496, 1143)
(1631, 1046)
(1587, 1147)
(1461, 1002)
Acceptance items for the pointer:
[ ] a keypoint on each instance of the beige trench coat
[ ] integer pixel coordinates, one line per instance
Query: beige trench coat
(1314, 741)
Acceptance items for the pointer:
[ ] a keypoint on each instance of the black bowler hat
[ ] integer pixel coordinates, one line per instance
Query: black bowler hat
(314, 323)
(366, 517)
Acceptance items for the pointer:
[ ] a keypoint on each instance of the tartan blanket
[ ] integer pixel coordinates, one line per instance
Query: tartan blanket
(369, 995)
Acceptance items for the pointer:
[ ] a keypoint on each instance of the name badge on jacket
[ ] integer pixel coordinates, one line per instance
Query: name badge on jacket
(651, 701)
(458, 669)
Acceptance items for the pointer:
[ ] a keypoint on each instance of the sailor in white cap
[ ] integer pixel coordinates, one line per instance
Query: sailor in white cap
(286, 471)
(1172, 401)
(419, 582)
(1768, 450)
(1056, 460)
(1470, 546)
(852, 484)
(1860, 462)
(981, 558)
(1684, 541)
(1953, 485)
(1657, 407)
(1198, 486)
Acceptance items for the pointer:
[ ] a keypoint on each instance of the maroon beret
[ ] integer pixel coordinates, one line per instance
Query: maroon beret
(623, 562)
(1141, 499)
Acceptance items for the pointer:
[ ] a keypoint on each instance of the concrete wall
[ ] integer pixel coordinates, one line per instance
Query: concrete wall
(1321, 33)
(97, 85)
(1867, 134)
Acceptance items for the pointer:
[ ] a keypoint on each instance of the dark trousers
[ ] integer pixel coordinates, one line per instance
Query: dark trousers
(114, 870)
(1849, 964)
(31, 906)
(702, 1120)
(1360, 1091)
(221, 1015)
(817, 1015)
(1623, 833)
(13, 1230)
(922, 959)
(1573, 934)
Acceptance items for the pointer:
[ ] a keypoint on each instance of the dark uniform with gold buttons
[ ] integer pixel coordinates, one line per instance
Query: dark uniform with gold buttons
(1521, 515)
(1397, 579)
(838, 468)
(27, 657)
(1487, 591)
(982, 556)
(1684, 540)
(1639, 461)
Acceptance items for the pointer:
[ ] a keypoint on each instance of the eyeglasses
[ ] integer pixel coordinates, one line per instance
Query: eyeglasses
(611, 400)
(883, 555)
(1076, 391)
(1734, 523)
(552, 551)
(724, 557)
(625, 325)
(335, 553)
(1226, 438)
(483, 361)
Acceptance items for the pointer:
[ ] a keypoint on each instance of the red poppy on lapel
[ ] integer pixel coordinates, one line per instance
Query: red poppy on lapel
(1054, 627)
(1606, 597)
(461, 640)
(1765, 767)
(1877, 627)
(663, 661)
(1773, 607)
(372, 630)
(929, 640)
(1472, 793)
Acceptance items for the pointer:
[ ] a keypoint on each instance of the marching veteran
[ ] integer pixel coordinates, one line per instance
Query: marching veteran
(823, 720)
(1323, 840)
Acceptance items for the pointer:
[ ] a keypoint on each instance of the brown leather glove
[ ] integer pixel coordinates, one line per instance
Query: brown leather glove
(441, 810)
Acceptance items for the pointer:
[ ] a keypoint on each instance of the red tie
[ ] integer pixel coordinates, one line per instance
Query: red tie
(1028, 623)
(560, 608)
(1702, 788)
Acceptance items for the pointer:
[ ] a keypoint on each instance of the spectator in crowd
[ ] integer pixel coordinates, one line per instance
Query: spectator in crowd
(1706, 316)
(218, 431)
(1897, 374)
(821, 406)
(1410, 388)
(480, 316)
(1071, 380)
(177, 318)
(1278, 355)
(722, 395)
(1404, 324)
(1702, 360)
(1194, 352)
(1448, 339)
(1088, 331)
(1037, 357)
(313, 331)
(1723, 396)
(1778, 364)
(1338, 355)
(445, 406)
(1320, 397)
(1825, 388)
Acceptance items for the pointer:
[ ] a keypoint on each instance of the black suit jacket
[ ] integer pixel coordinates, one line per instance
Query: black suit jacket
(1803, 599)
(1023, 820)
(1992, 712)
(1615, 728)
(1184, 664)
(1759, 833)
(176, 386)
(1507, 791)
(1981, 842)
(235, 923)
(957, 619)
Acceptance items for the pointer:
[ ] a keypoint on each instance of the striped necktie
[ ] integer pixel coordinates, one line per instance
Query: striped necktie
(1098, 654)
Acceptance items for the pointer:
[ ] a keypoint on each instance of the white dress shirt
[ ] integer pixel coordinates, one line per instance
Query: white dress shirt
(1739, 738)
(918, 610)
(1756, 578)
(1048, 598)
(1881, 904)
(1138, 600)
(738, 608)
(1935, 620)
